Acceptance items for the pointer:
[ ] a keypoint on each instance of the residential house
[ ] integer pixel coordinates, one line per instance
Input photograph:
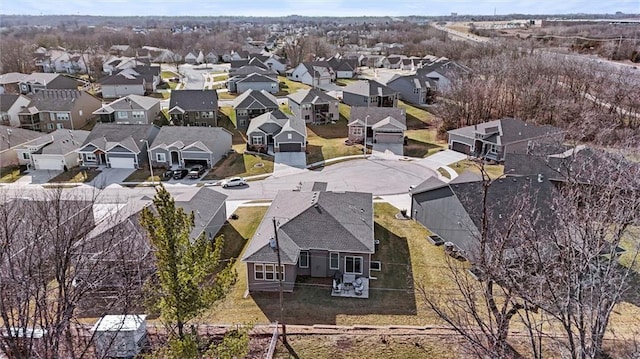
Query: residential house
(314, 106)
(369, 93)
(11, 139)
(117, 146)
(55, 109)
(132, 109)
(212, 57)
(254, 61)
(120, 50)
(275, 63)
(343, 68)
(443, 71)
(194, 57)
(454, 210)
(251, 104)
(41, 81)
(491, 140)
(246, 71)
(10, 82)
(118, 63)
(417, 88)
(10, 105)
(194, 108)
(131, 81)
(319, 234)
(56, 151)
(383, 127)
(276, 132)
(374, 61)
(60, 60)
(310, 74)
(393, 62)
(182, 146)
(258, 82)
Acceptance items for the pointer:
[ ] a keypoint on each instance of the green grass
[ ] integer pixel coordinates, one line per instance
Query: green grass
(344, 82)
(285, 109)
(10, 174)
(76, 175)
(241, 164)
(327, 141)
(344, 111)
(236, 231)
(407, 259)
(227, 95)
(422, 143)
(168, 74)
(417, 118)
(144, 175)
(494, 171)
(287, 86)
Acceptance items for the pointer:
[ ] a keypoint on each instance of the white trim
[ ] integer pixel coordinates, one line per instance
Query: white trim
(300, 259)
(354, 257)
(334, 268)
(161, 157)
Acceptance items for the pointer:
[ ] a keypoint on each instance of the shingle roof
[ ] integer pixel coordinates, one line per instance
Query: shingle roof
(194, 100)
(273, 117)
(314, 220)
(106, 135)
(311, 96)
(11, 137)
(369, 88)
(249, 69)
(64, 141)
(507, 130)
(54, 100)
(374, 115)
(257, 78)
(12, 77)
(7, 100)
(188, 135)
(130, 102)
(254, 99)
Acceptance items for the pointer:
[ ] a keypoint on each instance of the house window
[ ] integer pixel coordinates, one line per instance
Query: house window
(353, 265)
(416, 90)
(241, 112)
(49, 126)
(330, 115)
(122, 114)
(303, 262)
(306, 117)
(356, 131)
(91, 157)
(26, 155)
(334, 260)
(289, 136)
(257, 140)
(206, 114)
(269, 272)
(5, 117)
(62, 116)
(161, 157)
(258, 270)
(137, 114)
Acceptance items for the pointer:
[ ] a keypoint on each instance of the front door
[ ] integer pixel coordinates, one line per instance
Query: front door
(175, 159)
(103, 158)
(318, 262)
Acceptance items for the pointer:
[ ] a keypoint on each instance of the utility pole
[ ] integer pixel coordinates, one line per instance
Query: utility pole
(365, 136)
(280, 273)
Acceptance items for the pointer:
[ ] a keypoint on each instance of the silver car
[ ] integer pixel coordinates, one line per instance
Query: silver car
(233, 182)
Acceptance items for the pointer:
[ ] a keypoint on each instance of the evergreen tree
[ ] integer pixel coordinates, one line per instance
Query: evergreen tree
(189, 278)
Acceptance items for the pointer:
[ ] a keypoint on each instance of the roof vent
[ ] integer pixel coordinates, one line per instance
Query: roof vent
(540, 178)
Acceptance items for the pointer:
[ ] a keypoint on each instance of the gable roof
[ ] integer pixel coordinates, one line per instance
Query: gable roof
(185, 136)
(7, 100)
(311, 95)
(128, 103)
(375, 115)
(54, 100)
(194, 100)
(369, 88)
(61, 142)
(258, 78)
(506, 130)
(254, 99)
(107, 135)
(276, 117)
(416, 81)
(250, 69)
(12, 78)
(11, 137)
(335, 221)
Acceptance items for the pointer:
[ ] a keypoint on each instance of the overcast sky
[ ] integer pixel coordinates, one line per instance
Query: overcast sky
(312, 7)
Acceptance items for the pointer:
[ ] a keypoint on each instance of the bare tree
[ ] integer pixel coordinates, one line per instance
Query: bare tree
(296, 50)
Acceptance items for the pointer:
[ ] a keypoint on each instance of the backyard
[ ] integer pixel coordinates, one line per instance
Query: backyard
(288, 87)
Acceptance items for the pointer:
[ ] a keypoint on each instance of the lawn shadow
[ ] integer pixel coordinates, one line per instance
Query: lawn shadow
(238, 136)
(314, 154)
(391, 293)
(415, 148)
(331, 130)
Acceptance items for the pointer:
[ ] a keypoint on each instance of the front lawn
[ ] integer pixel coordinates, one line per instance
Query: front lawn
(417, 118)
(240, 164)
(422, 143)
(494, 171)
(407, 259)
(76, 175)
(9, 174)
(144, 175)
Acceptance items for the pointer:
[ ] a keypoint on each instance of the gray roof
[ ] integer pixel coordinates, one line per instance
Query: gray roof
(330, 221)
(184, 136)
(7, 100)
(444, 66)
(11, 137)
(64, 141)
(194, 100)
(314, 96)
(506, 130)
(130, 102)
(54, 100)
(275, 121)
(258, 78)
(40, 77)
(250, 69)
(369, 88)
(416, 81)
(254, 99)
(108, 135)
(376, 114)
(12, 78)
(124, 77)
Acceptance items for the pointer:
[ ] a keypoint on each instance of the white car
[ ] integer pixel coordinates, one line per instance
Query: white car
(233, 182)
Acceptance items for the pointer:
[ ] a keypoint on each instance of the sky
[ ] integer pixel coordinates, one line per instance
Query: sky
(312, 7)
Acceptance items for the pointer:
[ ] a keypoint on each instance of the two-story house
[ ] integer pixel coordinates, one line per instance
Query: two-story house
(132, 109)
(369, 93)
(252, 104)
(417, 88)
(10, 106)
(41, 81)
(50, 110)
(137, 80)
(194, 107)
(314, 106)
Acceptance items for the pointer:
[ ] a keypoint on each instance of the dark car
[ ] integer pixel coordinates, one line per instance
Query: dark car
(167, 175)
(196, 171)
(180, 174)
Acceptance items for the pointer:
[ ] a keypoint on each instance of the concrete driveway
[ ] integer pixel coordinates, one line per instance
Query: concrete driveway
(395, 148)
(110, 176)
(288, 163)
(37, 177)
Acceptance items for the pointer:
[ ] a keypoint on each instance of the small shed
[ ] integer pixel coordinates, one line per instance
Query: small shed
(120, 336)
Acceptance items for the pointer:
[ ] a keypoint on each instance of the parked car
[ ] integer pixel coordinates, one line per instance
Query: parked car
(167, 175)
(196, 171)
(233, 182)
(180, 174)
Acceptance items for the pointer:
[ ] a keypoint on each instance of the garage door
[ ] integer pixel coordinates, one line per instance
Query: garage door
(117, 162)
(48, 164)
(461, 147)
(290, 147)
(389, 138)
